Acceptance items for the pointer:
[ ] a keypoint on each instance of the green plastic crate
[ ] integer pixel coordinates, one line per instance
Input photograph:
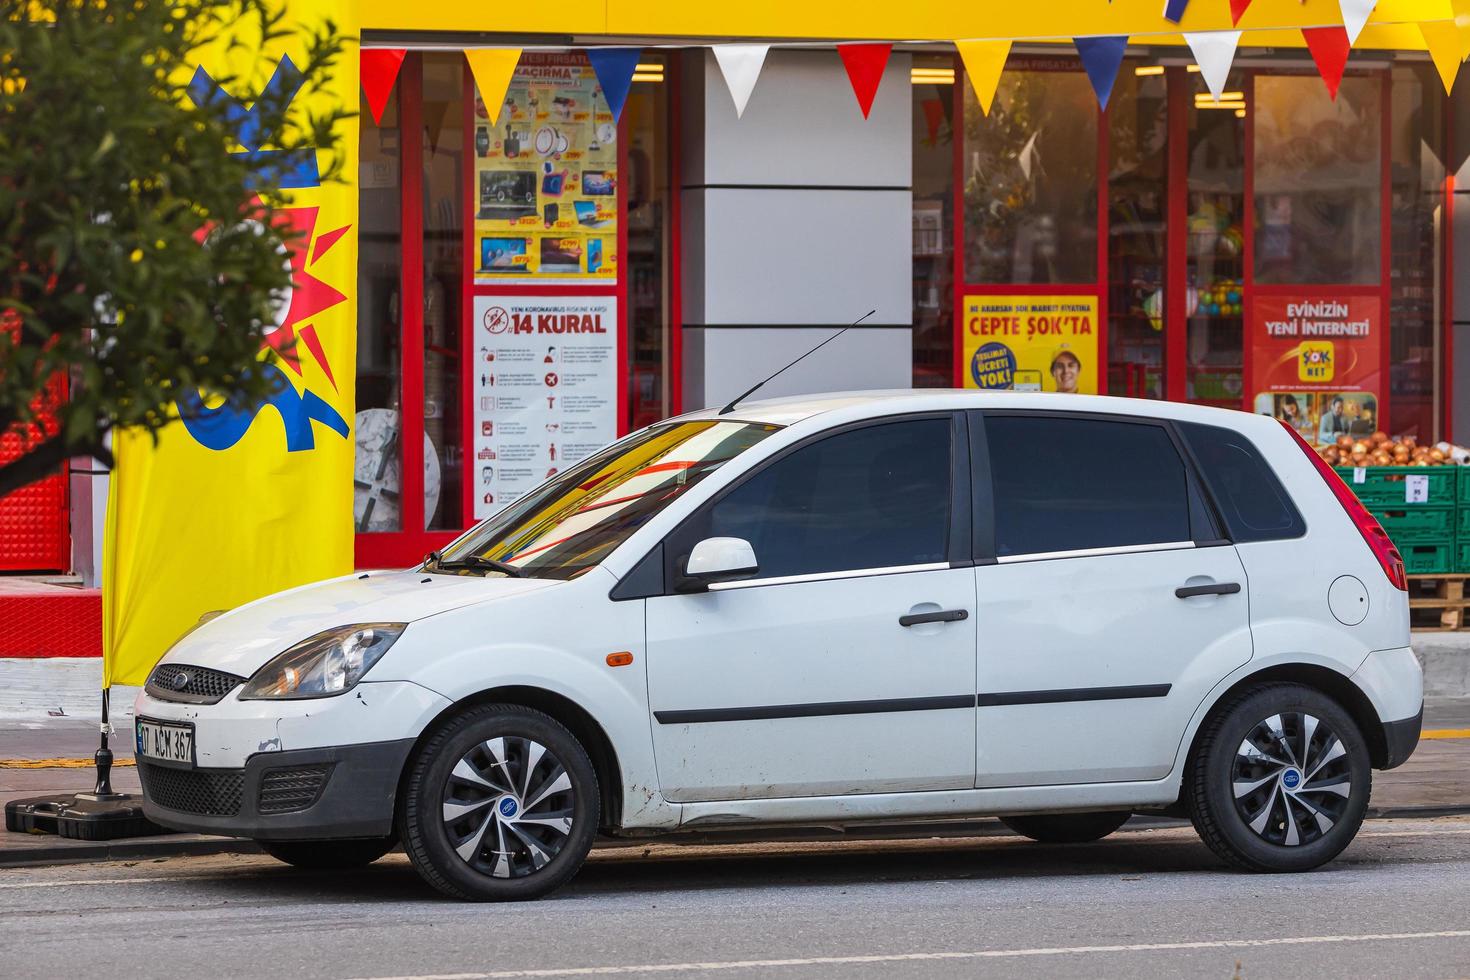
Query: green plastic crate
(1464, 491)
(1430, 525)
(1462, 556)
(1462, 520)
(1384, 486)
(1428, 559)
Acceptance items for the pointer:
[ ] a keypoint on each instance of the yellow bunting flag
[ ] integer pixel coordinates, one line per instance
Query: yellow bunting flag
(1461, 10)
(984, 61)
(492, 68)
(1442, 39)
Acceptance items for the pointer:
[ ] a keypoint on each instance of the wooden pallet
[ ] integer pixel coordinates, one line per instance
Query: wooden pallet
(1447, 594)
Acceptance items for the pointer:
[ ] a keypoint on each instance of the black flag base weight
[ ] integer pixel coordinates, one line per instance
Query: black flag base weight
(98, 815)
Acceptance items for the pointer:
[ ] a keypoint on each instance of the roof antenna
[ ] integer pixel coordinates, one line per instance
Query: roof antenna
(753, 388)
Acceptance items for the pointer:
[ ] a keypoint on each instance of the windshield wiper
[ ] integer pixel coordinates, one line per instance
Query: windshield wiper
(476, 562)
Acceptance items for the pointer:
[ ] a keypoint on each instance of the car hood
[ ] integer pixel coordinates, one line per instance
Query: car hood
(243, 639)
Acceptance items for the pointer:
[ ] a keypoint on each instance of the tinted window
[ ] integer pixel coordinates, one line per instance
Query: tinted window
(1062, 484)
(873, 497)
(1253, 502)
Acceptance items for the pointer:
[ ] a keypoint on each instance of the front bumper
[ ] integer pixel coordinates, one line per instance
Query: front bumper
(306, 794)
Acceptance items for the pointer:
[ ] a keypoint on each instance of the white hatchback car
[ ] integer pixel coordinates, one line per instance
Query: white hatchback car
(854, 609)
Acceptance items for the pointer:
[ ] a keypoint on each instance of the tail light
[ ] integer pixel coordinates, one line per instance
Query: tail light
(1378, 540)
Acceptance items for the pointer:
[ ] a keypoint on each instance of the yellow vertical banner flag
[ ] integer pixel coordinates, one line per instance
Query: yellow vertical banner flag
(493, 68)
(233, 503)
(984, 61)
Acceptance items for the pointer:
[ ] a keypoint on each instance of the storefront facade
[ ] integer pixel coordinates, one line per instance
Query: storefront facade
(537, 280)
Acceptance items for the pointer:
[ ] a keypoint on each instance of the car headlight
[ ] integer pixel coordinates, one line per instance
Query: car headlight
(324, 665)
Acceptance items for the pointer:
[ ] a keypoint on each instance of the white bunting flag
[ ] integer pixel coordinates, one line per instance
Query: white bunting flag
(1354, 16)
(1213, 52)
(741, 65)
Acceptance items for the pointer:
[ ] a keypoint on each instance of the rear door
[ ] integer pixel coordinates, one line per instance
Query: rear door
(1108, 602)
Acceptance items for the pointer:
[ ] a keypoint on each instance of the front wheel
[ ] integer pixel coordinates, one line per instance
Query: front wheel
(1279, 780)
(329, 854)
(500, 804)
(1067, 828)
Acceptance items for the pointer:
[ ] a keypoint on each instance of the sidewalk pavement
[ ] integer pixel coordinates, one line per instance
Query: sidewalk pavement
(1435, 781)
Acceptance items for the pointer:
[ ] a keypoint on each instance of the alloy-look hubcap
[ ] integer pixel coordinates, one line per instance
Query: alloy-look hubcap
(508, 807)
(1291, 779)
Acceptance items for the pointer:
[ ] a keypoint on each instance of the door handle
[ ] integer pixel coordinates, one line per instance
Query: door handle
(1215, 588)
(943, 616)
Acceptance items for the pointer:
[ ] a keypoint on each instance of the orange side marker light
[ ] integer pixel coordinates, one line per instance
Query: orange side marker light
(620, 659)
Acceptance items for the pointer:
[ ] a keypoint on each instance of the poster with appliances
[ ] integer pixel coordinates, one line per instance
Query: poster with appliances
(1031, 343)
(1316, 363)
(545, 390)
(545, 186)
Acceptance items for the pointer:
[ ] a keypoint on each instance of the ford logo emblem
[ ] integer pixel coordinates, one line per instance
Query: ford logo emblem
(1291, 779)
(181, 680)
(507, 807)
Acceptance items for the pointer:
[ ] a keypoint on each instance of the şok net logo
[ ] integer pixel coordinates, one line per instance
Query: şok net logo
(222, 426)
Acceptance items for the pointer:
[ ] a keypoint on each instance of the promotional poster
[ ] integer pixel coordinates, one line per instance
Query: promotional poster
(545, 384)
(545, 189)
(1031, 343)
(1316, 362)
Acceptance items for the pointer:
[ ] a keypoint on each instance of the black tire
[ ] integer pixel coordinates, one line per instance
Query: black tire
(1067, 828)
(535, 858)
(329, 854)
(1302, 817)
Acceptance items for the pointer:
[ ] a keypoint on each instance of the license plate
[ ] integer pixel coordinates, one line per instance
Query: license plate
(167, 743)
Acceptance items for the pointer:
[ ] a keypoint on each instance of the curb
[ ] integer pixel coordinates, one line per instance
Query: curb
(77, 852)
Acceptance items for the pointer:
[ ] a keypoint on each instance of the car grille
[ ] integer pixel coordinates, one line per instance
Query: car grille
(293, 788)
(209, 792)
(194, 685)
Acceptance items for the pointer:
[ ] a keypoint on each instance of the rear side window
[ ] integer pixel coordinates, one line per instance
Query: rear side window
(1065, 484)
(1252, 500)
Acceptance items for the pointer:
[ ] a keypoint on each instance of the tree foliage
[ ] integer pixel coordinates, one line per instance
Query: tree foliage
(138, 255)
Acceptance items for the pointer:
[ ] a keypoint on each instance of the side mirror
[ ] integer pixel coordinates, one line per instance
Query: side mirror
(720, 560)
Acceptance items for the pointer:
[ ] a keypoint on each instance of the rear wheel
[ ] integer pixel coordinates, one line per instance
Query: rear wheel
(339, 854)
(1067, 828)
(1279, 780)
(501, 804)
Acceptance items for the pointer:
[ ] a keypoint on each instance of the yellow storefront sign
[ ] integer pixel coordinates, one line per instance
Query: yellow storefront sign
(1031, 343)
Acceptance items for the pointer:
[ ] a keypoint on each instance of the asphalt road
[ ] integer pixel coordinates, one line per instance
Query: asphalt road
(1145, 903)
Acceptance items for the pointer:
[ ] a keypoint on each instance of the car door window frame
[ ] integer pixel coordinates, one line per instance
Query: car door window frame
(677, 543)
(1200, 502)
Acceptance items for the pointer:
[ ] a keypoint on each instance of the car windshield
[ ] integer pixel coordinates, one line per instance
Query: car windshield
(575, 521)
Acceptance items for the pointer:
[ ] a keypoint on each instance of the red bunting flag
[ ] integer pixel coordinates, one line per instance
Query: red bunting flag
(1237, 10)
(865, 64)
(1329, 47)
(379, 67)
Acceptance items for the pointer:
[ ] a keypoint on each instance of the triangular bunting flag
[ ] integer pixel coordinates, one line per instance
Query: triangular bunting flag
(741, 65)
(614, 68)
(1237, 10)
(1354, 16)
(492, 69)
(379, 69)
(1101, 57)
(1461, 9)
(1174, 10)
(1214, 51)
(865, 64)
(1443, 41)
(1329, 47)
(984, 61)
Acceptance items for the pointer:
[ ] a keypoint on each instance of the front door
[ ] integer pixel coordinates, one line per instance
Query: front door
(846, 665)
(1112, 606)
